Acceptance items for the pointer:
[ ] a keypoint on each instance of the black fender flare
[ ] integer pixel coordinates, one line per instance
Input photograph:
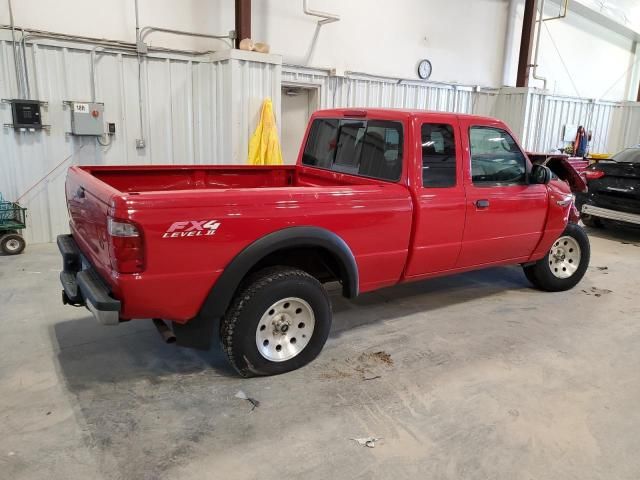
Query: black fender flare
(197, 333)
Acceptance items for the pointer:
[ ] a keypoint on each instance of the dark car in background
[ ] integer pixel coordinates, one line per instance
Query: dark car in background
(614, 190)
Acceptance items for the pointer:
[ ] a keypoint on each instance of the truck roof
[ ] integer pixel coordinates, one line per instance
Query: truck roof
(395, 113)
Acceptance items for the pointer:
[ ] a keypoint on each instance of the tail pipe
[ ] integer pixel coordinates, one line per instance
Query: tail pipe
(165, 332)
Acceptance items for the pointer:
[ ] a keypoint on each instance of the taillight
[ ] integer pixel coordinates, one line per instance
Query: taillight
(127, 246)
(593, 174)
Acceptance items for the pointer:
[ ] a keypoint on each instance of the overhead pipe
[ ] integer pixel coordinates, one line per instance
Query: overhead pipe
(25, 69)
(564, 9)
(127, 47)
(140, 142)
(16, 61)
(325, 18)
(141, 48)
(148, 30)
(539, 34)
(509, 42)
(92, 67)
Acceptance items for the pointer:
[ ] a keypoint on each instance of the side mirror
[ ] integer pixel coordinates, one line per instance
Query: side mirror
(540, 175)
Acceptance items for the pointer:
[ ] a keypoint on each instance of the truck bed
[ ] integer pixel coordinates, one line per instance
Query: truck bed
(248, 202)
(129, 179)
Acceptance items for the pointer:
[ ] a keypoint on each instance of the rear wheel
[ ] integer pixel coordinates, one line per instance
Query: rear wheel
(12, 244)
(565, 264)
(278, 321)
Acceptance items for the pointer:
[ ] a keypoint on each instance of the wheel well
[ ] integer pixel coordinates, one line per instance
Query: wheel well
(316, 261)
(314, 250)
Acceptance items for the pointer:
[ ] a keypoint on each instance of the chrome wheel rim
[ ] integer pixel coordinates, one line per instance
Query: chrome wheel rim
(12, 245)
(564, 257)
(285, 329)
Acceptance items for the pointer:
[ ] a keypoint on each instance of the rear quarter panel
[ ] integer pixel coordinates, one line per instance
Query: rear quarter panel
(374, 220)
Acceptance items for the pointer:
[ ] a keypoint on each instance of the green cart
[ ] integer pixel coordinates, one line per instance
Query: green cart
(12, 221)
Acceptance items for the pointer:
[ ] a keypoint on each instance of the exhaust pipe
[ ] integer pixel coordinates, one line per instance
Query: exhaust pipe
(165, 332)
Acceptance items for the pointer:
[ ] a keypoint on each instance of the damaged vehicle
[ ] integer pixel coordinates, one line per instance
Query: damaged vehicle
(614, 190)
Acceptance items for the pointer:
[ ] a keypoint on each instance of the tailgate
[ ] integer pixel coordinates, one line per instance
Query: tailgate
(88, 202)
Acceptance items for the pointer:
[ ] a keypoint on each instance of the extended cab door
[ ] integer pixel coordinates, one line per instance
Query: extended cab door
(505, 215)
(439, 196)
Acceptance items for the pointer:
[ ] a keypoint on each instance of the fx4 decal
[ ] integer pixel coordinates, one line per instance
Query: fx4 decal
(192, 228)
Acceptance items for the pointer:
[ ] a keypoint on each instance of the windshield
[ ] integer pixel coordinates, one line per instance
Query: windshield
(630, 155)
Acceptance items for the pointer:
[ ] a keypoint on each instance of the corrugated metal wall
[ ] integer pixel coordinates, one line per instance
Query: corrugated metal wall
(361, 90)
(627, 126)
(537, 119)
(197, 110)
(547, 116)
(203, 109)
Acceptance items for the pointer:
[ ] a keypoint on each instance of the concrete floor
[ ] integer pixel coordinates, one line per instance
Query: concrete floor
(486, 379)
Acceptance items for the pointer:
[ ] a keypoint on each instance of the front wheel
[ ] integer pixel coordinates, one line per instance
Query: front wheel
(565, 264)
(278, 321)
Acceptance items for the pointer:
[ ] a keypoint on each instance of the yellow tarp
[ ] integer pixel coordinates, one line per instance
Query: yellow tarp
(264, 146)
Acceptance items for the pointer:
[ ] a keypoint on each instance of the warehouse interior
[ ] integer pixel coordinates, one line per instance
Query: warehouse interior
(475, 375)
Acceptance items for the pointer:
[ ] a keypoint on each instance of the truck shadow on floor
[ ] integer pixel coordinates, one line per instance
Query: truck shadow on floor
(626, 235)
(93, 354)
(127, 386)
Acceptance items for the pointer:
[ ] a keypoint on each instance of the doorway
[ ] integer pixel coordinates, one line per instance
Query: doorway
(298, 103)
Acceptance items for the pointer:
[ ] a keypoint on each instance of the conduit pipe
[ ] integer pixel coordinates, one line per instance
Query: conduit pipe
(539, 34)
(25, 68)
(563, 12)
(325, 18)
(16, 61)
(509, 49)
(146, 31)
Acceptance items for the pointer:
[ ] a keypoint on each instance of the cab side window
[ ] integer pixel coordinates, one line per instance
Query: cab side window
(496, 158)
(438, 156)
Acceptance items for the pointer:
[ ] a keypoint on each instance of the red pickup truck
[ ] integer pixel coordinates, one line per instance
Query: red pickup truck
(377, 197)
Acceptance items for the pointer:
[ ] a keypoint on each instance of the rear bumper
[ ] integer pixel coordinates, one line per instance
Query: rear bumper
(611, 214)
(82, 286)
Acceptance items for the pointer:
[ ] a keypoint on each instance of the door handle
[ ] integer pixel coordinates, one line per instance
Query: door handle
(482, 204)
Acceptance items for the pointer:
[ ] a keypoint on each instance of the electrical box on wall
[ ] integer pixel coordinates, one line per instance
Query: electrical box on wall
(26, 114)
(87, 118)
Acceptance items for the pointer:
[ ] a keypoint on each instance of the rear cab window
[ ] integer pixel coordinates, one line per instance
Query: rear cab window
(367, 148)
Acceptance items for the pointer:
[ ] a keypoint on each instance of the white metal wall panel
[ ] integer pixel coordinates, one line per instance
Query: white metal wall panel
(359, 90)
(196, 110)
(203, 110)
(625, 130)
(537, 119)
(252, 82)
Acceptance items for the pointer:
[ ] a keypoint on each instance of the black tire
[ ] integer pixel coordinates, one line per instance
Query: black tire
(261, 291)
(541, 273)
(12, 244)
(591, 221)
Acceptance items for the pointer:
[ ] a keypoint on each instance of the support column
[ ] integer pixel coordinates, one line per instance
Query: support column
(526, 43)
(243, 20)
